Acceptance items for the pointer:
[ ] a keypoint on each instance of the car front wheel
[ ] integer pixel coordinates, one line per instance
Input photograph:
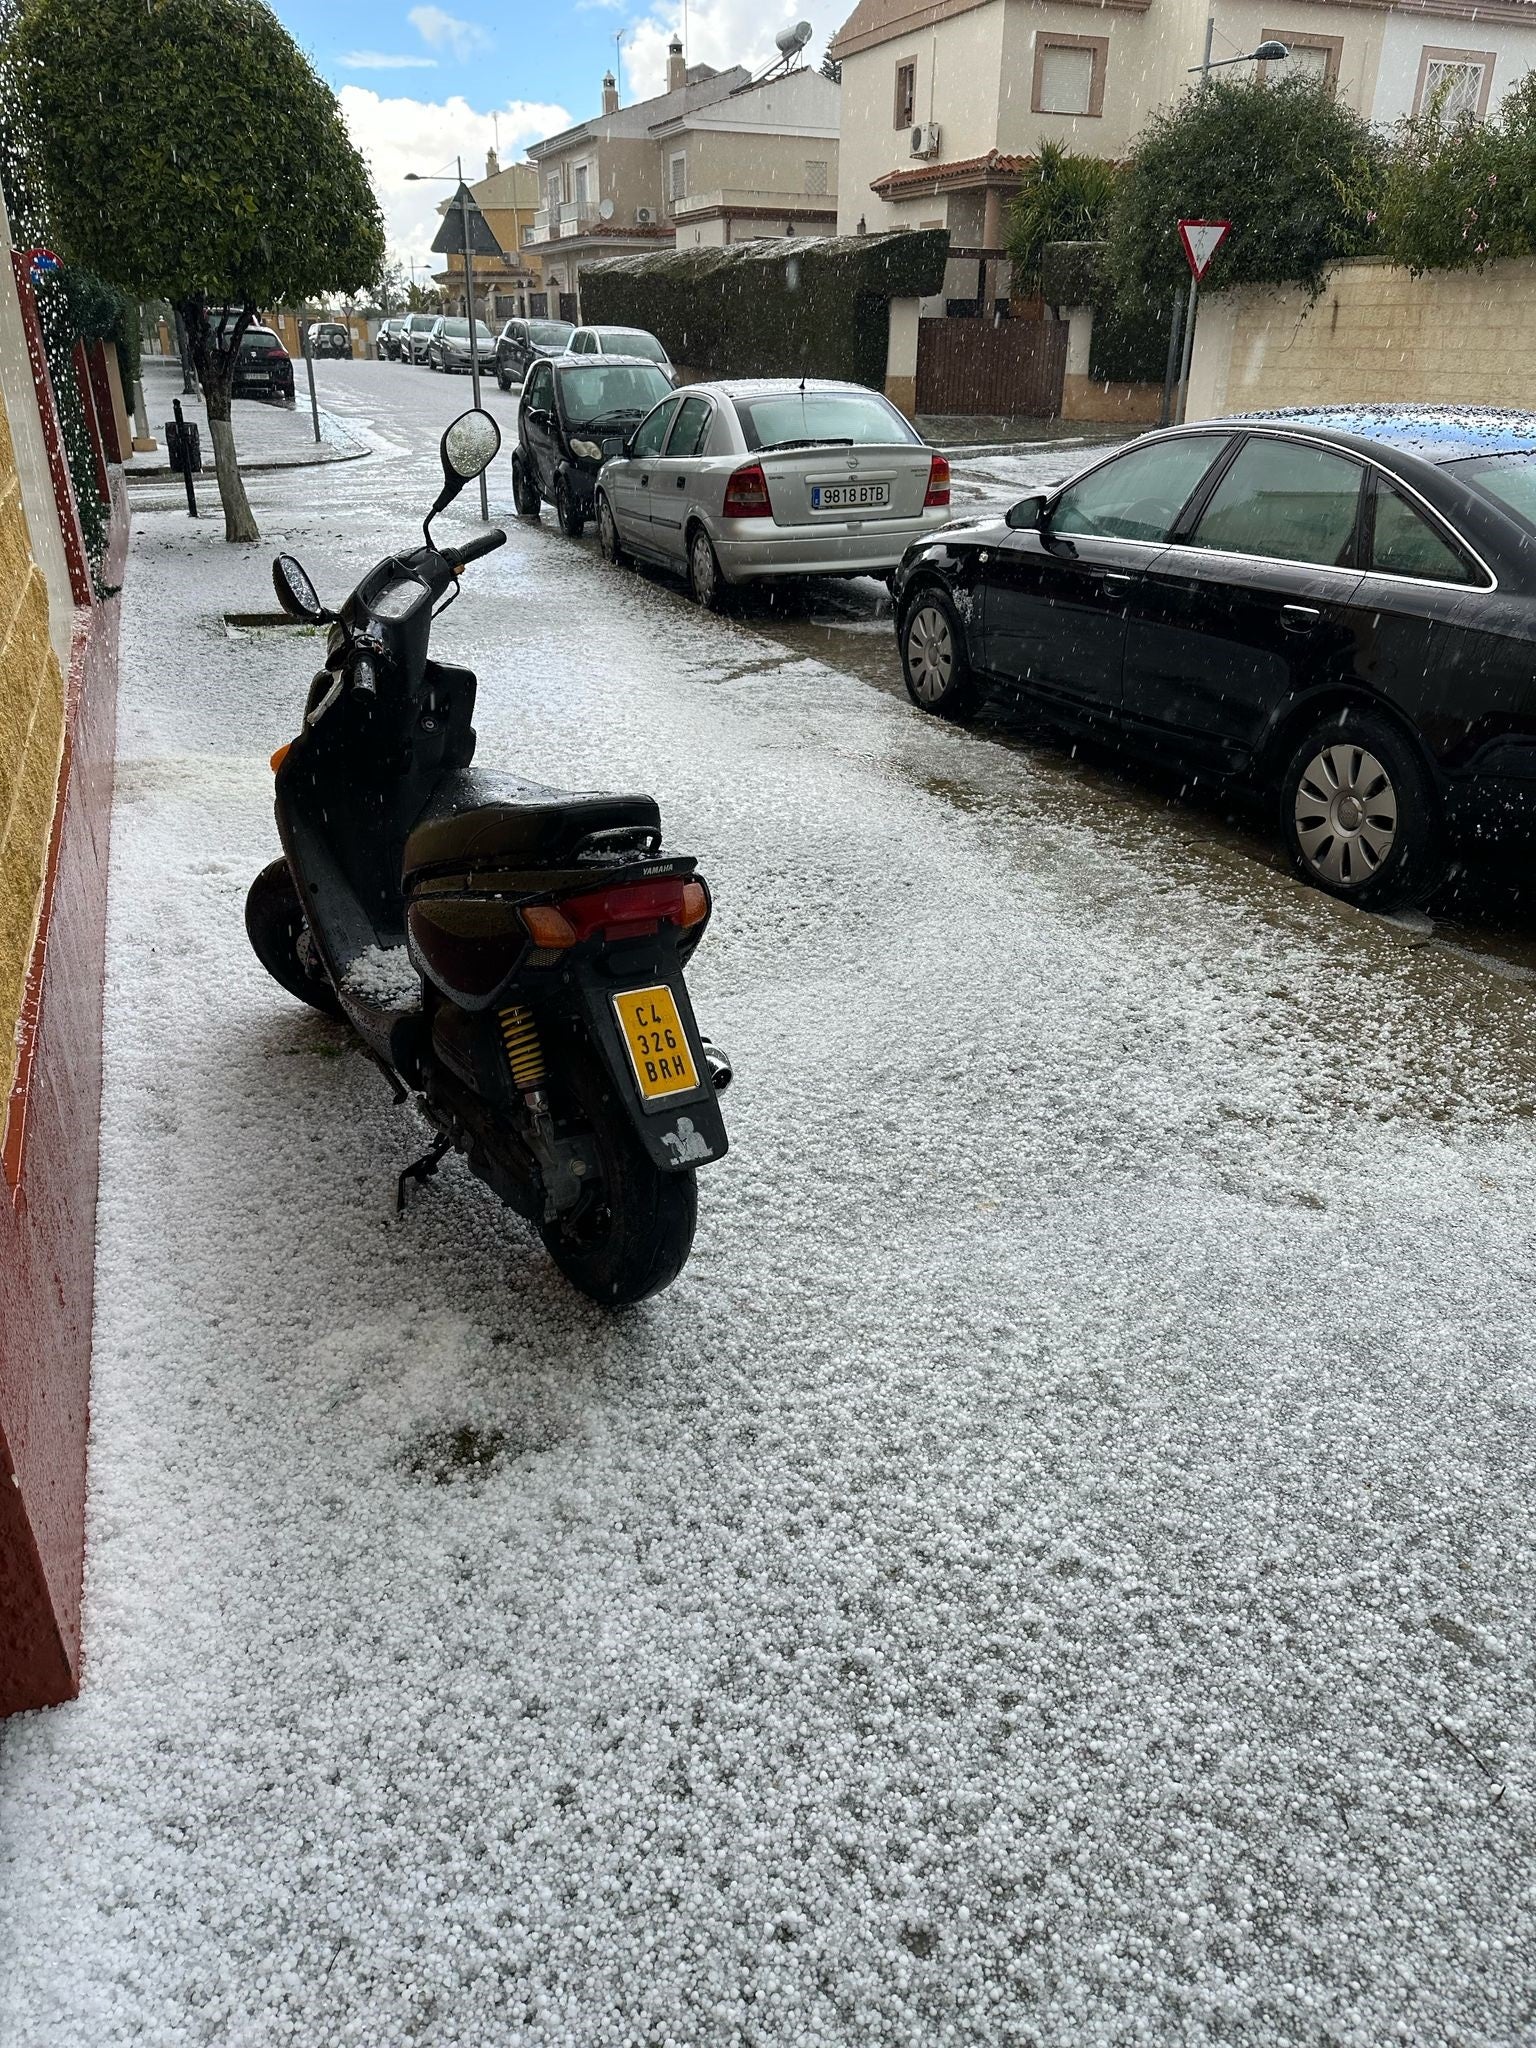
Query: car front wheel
(933, 658)
(1358, 811)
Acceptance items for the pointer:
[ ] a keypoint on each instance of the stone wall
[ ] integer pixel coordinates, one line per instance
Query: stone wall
(1458, 337)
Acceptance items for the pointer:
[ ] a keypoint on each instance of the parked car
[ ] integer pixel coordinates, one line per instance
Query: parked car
(330, 338)
(619, 341)
(386, 343)
(1336, 608)
(415, 335)
(520, 344)
(449, 346)
(743, 480)
(264, 368)
(573, 415)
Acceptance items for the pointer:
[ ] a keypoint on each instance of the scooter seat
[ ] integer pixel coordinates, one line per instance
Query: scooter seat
(474, 819)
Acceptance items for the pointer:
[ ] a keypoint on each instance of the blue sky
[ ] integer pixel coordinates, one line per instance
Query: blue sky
(421, 82)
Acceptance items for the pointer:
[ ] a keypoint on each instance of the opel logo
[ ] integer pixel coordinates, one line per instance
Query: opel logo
(853, 462)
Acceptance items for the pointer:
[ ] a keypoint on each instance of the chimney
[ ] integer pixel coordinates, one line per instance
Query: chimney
(492, 163)
(677, 65)
(610, 93)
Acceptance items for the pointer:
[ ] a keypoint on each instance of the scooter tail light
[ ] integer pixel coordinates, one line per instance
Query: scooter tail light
(695, 905)
(628, 910)
(746, 495)
(938, 482)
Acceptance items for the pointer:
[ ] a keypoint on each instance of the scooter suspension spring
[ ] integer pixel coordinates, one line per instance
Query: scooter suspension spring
(525, 1056)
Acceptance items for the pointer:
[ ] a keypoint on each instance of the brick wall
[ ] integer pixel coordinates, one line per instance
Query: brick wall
(1452, 337)
(31, 737)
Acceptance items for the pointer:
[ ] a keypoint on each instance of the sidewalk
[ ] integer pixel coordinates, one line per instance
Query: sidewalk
(266, 436)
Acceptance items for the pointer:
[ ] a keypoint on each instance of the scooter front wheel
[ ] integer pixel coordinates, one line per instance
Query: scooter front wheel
(632, 1233)
(275, 926)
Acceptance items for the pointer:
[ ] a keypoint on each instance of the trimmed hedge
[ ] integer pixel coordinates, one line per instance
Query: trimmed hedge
(771, 308)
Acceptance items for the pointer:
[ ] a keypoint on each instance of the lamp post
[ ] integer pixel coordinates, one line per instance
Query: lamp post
(417, 178)
(1266, 53)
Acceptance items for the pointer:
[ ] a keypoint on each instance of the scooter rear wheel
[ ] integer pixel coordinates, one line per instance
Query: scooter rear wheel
(632, 1234)
(274, 924)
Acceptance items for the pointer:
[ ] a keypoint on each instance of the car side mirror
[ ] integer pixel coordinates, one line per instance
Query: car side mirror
(1028, 516)
(296, 594)
(629, 446)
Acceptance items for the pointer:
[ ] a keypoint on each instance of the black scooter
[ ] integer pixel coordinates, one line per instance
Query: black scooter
(511, 954)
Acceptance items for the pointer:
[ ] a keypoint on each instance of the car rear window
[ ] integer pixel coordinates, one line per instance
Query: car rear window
(1510, 480)
(786, 417)
(549, 333)
(258, 338)
(595, 390)
(631, 341)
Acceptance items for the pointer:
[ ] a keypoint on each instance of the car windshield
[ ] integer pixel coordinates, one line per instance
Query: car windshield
(611, 393)
(629, 341)
(1508, 479)
(458, 330)
(790, 418)
(550, 333)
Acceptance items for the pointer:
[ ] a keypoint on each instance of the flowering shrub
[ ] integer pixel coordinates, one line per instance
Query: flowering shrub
(1461, 194)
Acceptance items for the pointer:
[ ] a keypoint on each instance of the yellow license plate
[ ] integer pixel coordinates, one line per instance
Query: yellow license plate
(657, 1042)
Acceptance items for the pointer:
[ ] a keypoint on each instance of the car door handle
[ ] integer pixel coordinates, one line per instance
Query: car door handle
(1117, 583)
(645, 480)
(682, 482)
(1299, 618)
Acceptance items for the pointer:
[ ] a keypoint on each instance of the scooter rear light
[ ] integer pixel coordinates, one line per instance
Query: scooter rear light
(746, 495)
(627, 910)
(938, 482)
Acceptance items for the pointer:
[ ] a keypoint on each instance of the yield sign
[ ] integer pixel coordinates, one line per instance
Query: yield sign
(1201, 239)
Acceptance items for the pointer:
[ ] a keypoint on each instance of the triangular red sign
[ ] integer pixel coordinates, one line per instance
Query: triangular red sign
(1201, 239)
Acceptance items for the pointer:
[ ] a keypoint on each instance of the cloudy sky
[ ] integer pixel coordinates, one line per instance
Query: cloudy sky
(420, 84)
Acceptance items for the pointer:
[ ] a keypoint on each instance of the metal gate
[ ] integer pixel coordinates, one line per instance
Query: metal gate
(1015, 368)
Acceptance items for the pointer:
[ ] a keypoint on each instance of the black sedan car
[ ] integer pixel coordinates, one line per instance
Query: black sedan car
(263, 368)
(575, 412)
(1336, 608)
(521, 343)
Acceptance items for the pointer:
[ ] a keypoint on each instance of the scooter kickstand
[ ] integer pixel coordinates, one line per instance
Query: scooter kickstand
(421, 1172)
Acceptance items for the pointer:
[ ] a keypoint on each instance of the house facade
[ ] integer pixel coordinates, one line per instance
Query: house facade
(945, 102)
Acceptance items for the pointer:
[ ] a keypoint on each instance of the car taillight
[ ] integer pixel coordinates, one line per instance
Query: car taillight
(630, 910)
(938, 482)
(746, 495)
(277, 355)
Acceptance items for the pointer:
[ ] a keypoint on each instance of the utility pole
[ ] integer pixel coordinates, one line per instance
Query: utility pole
(469, 300)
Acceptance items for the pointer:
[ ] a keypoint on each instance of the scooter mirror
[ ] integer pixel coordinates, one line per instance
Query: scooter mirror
(469, 446)
(295, 593)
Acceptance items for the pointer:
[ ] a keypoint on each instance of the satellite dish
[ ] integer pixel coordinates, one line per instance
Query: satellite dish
(605, 209)
(789, 40)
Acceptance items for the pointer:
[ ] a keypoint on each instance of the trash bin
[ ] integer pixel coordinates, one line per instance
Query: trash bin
(183, 444)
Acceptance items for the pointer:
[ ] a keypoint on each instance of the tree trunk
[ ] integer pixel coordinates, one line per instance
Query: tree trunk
(215, 351)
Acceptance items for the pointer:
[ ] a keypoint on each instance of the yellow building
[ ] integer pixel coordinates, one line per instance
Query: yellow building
(508, 199)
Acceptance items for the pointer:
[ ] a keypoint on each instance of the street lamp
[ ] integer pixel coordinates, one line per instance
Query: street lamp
(1266, 53)
(435, 178)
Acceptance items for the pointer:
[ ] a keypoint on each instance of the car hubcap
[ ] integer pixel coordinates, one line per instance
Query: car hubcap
(1346, 815)
(930, 654)
(703, 570)
(606, 528)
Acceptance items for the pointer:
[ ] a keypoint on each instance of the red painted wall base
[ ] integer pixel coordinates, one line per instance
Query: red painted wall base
(48, 1193)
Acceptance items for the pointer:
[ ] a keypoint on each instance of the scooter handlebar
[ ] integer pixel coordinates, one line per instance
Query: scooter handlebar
(473, 550)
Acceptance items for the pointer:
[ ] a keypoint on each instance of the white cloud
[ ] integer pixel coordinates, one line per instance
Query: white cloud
(400, 135)
(720, 32)
(443, 31)
(379, 60)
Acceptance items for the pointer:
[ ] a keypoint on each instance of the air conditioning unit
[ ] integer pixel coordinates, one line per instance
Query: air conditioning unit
(925, 139)
(644, 217)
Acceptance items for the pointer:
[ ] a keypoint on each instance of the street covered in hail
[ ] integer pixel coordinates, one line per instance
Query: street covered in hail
(1055, 1567)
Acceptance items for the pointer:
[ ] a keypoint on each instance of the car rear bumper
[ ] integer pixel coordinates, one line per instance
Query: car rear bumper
(1494, 801)
(748, 552)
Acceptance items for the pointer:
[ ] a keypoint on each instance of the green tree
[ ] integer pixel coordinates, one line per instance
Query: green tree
(189, 152)
(1063, 198)
(1461, 194)
(1296, 171)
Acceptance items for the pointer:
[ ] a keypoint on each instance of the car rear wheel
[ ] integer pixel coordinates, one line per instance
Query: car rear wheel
(933, 658)
(503, 382)
(705, 582)
(525, 492)
(1358, 811)
(572, 522)
(611, 547)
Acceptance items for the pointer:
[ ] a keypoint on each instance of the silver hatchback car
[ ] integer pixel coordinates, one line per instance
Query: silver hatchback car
(746, 479)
